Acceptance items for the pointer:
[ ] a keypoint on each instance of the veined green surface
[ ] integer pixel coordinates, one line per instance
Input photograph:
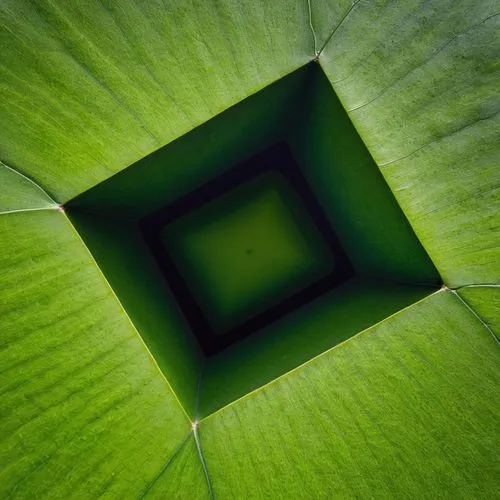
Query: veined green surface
(91, 87)
(85, 410)
(128, 265)
(408, 409)
(252, 363)
(201, 155)
(352, 191)
(298, 337)
(19, 193)
(88, 88)
(485, 302)
(248, 250)
(356, 199)
(419, 81)
(182, 476)
(302, 110)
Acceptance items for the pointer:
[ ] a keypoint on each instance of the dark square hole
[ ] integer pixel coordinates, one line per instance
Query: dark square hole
(246, 248)
(187, 237)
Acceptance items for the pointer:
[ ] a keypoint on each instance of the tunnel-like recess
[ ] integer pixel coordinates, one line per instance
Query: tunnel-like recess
(255, 242)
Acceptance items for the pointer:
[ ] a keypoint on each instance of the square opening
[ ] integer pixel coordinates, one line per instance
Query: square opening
(255, 242)
(245, 249)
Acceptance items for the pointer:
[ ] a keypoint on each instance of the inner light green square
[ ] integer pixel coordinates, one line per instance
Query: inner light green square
(247, 250)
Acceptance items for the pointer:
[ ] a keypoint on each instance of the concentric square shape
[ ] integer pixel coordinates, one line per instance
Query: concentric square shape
(246, 248)
(253, 243)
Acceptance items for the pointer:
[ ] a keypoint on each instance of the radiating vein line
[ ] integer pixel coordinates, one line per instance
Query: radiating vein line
(202, 460)
(316, 53)
(53, 203)
(150, 485)
(424, 63)
(19, 210)
(490, 331)
(478, 285)
(360, 63)
(438, 139)
(31, 181)
(337, 26)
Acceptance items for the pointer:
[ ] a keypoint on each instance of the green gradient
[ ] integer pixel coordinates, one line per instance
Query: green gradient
(203, 154)
(300, 336)
(248, 250)
(353, 193)
(245, 230)
(408, 409)
(485, 301)
(124, 258)
(77, 383)
(91, 87)
(420, 83)
(19, 193)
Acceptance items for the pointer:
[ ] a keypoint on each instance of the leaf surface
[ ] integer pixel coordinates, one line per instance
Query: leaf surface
(485, 302)
(408, 408)
(182, 477)
(84, 410)
(419, 80)
(402, 410)
(19, 193)
(91, 87)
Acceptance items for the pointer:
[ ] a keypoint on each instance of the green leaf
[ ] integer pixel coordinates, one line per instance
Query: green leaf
(85, 410)
(281, 347)
(123, 256)
(485, 302)
(91, 87)
(181, 477)
(406, 409)
(353, 192)
(19, 193)
(419, 82)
